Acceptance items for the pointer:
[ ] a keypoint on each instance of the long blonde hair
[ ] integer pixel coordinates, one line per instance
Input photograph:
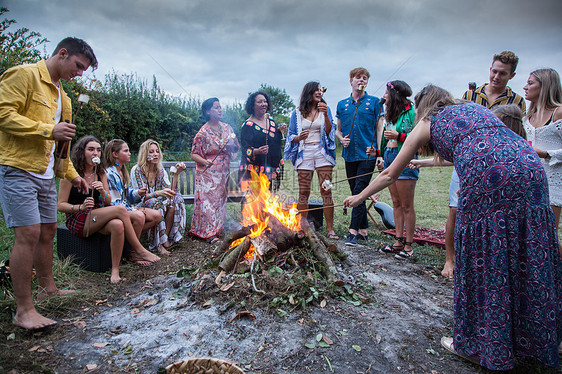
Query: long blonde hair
(143, 154)
(115, 145)
(550, 95)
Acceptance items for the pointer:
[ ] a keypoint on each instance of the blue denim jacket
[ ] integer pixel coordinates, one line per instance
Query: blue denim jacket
(120, 194)
(294, 151)
(365, 125)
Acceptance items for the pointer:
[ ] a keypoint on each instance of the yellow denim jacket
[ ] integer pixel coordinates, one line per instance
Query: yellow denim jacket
(28, 107)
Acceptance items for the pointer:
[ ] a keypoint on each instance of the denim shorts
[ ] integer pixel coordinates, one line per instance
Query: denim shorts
(454, 190)
(389, 156)
(26, 200)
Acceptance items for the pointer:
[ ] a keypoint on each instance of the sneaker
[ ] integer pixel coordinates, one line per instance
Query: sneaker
(361, 237)
(351, 240)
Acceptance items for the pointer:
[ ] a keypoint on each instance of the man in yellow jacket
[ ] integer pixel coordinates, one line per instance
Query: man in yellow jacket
(35, 112)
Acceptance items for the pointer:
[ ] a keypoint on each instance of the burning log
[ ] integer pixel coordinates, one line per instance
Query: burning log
(236, 253)
(229, 238)
(285, 238)
(331, 246)
(263, 245)
(322, 255)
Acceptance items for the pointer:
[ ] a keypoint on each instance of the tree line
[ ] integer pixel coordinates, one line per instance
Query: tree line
(125, 106)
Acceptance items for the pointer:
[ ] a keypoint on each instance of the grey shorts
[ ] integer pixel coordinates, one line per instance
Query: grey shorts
(25, 199)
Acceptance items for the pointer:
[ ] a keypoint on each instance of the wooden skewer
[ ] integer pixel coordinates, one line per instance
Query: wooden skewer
(381, 102)
(322, 207)
(357, 176)
(219, 152)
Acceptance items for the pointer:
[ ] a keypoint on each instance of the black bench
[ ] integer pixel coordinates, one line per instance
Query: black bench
(186, 182)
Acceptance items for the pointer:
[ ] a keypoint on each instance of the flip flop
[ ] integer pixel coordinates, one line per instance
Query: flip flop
(447, 343)
(213, 240)
(333, 236)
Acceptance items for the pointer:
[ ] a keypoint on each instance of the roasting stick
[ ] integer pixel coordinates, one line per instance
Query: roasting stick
(322, 207)
(96, 161)
(231, 136)
(381, 102)
(362, 88)
(327, 185)
(61, 149)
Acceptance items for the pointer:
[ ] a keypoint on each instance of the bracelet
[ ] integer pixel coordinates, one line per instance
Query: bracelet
(106, 194)
(71, 208)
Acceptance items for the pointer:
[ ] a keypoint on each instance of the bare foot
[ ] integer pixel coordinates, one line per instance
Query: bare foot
(163, 251)
(42, 294)
(448, 270)
(142, 254)
(32, 320)
(115, 278)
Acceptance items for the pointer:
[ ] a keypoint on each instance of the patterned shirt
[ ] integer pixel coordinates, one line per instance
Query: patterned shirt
(478, 96)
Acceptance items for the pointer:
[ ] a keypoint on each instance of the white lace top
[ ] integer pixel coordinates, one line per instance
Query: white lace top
(549, 138)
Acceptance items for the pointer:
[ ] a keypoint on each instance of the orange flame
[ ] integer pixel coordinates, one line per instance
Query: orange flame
(259, 200)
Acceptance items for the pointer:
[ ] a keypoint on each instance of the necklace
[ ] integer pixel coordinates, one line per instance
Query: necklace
(90, 176)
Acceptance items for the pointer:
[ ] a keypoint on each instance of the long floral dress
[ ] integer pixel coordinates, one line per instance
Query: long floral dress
(508, 277)
(211, 186)
(157, 234)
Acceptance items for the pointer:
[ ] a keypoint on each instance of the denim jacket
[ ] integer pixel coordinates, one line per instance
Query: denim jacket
(294, 151)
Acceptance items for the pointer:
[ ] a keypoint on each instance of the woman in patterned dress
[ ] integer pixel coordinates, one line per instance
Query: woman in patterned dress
(261, 139)
(89, 213)
(213, 147)
(508, 275)
(162, 195)
(116, 156)
(543, 124)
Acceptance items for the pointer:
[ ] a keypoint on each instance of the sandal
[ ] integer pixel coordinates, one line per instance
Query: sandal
(333, 236)
(404, 254)
(447, 343)
(213, 240)
(395, 248)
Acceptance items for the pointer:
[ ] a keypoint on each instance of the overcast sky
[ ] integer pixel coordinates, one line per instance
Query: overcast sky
(227, 48)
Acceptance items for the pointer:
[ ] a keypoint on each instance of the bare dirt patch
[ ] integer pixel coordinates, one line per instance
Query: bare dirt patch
(155, 318)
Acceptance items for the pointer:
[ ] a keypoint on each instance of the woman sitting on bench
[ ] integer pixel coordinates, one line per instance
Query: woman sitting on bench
(84, 214)
(162, 194)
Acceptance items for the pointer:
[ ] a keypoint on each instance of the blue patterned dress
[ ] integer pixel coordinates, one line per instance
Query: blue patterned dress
(508, 277)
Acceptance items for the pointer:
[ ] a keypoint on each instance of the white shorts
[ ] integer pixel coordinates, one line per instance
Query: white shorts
(312, 158)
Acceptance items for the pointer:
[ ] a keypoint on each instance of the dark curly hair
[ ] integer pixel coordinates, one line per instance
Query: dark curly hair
(249, 107)
(398, 93)
(79, 159)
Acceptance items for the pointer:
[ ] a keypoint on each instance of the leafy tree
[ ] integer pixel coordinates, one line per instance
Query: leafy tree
(19, 47)
(281, 103)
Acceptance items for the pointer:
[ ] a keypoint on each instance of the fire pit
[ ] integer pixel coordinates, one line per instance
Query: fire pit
(270, 228)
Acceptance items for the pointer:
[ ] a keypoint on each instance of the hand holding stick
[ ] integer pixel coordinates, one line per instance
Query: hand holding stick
(231, 136)
(381, 102)
(327, 185)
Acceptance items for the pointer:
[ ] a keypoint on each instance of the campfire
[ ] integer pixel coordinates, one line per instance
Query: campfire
(270, 227)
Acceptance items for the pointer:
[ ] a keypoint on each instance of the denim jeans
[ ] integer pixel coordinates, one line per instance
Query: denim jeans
(359, 213)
